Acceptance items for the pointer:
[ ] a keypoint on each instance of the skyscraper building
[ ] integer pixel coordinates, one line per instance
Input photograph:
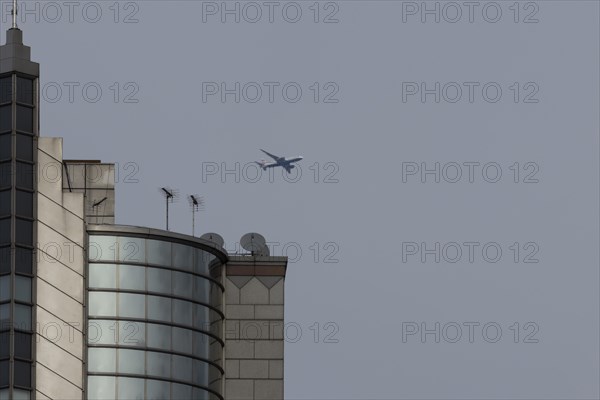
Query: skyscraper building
(94, 310)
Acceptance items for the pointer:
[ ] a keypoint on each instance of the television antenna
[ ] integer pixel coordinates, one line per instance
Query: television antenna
(170, 197)
(14, 14)
(197, 204)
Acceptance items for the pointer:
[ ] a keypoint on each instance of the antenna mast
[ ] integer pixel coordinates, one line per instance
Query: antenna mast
(170, 196)
(14, 15)
(196, 202)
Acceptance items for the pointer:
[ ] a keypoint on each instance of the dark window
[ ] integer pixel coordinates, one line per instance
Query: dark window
(5, 209)
(24, 203)
(25, 175)
(5, 90)
(22, 373)
(5, 175)
(24, 119)
(4, 344)
(24, 90)
(24, 231)
(24, 147)
(23, 261)
(5, 230)
(3, 373)
(5, 147)
(6, 118)
(4, 260)
(23, 345)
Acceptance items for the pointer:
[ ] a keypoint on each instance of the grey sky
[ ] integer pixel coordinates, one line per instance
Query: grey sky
(172, 136)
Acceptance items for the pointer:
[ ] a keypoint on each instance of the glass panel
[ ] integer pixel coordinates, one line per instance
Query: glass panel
(24, 231)
(5, 147)
(159, 336)
(131, 389)
(102, 360)
(159, 280)
(24, 260)
(3, 394)
(23, 345)
(182, 312)
(5, 209)
(182, 284)
(5, 90)
(201, 262)
(102, 332)
(4, 344)
(182, 340)
(132, 305)
(182, 368)
(132, 333)
(24, 147)
(22, 318)
(4, 316)
(22, 375)
(19, 394)
(24, 175)
(4, 260)
(158, 364)
(159, 308)
(4, 288)
(201, 394)
(131, 362)
(102, 304)
(5, 175)
(132, 249)
(133, 278)
(200, 373)
(5, 231)
(24, 90)
(202, 289)
(158, 252)
(201, 316)
(181, 392)
(103, 248)
(3, 373)
(5, 118)
(24, 204)
(24, 119)
(101, 388)
(183, 257)
(103, 276)
(158, 390)
(23, 289)
(201, 345)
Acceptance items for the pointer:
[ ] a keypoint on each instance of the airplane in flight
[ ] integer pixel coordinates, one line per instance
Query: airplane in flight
(283, 162)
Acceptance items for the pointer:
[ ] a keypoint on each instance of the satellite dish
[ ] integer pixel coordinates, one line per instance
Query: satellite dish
(255, 243)
(214, 238)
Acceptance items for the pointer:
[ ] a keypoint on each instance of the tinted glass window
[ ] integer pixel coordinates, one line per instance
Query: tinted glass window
(131, 362)
(132, 249)
(102, 360)
(24, 231)
(24, 203)
(5, 90)
(132, 278)
(159, 308)
(23, 289)
(4, 288)
(102, 304)
(159, 280)
(24, 147)
(24, 90)
(24, 260)
(182, 368)
(104, 248)
(101, 387)
(3, 373)
(183, 257)
(182, 340)
(22, 317)
(5, 118)
(25, 175)
(4, 260)
(131, 389)
(5, 147)
(5, 203)
(4, 231)
(132, 305)
(181, 392)
(4, 344)
(103, 276)
(158, 252)
(182, 312)
(24, 119)
(23, 345)
(158, 390)
(22, 373)
(159, 336)
(4, 315)
(5, 175)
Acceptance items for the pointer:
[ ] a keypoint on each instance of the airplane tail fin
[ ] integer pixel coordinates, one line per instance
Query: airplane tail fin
(262, 164)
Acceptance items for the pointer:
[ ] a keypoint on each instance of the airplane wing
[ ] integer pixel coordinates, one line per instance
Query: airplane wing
(274, 157)
(289, 168)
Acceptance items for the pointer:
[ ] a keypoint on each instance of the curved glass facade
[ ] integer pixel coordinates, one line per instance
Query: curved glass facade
(154, 318)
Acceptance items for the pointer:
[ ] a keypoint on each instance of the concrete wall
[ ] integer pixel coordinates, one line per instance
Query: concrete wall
(60, 293)
(254, 312)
